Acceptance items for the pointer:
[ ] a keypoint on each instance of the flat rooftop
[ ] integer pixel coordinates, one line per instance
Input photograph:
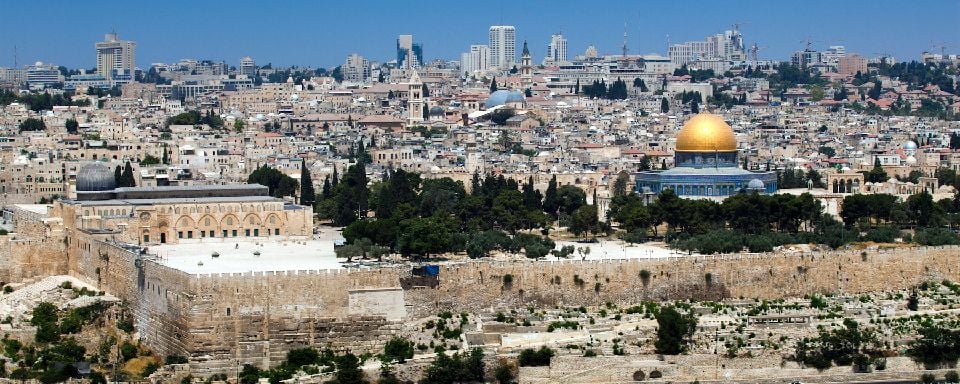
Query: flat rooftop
(237, 256)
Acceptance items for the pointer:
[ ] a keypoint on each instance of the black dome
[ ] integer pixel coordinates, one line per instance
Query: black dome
(95, 176)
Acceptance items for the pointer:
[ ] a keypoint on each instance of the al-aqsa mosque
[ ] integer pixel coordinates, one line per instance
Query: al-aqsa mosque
(706, 164)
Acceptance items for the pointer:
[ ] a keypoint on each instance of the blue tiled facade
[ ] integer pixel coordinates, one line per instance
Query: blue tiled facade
(705, 174)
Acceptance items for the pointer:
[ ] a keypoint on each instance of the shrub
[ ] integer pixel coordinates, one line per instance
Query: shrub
(504, 373)
(936, 237)
(128, 350)
(535, 358)
(176, 359)
(302, 356)
(928, 378)
(125, 324)
(952, 377)
(398, 349)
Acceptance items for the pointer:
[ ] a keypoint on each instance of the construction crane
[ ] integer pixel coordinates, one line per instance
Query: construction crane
(737, 24)
(943, 50)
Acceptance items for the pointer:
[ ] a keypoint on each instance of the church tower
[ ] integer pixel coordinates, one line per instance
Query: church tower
(415, 100)
(526, 68)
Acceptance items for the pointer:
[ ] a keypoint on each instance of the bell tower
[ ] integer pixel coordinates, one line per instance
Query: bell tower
(414, 100)
(526, 68)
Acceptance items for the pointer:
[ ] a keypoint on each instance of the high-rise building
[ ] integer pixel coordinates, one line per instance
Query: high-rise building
(805, 58)
(556, 51)
(833, 55)
(40, 75)
(727, 46)
(356, 69)
(248, 66)
(477, 60)
(851, 64)
(116, 59)
(409, 54)
(503, 46)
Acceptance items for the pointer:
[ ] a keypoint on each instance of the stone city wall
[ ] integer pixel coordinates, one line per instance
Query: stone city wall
(34, 251)
(479, 285)
(220, 320)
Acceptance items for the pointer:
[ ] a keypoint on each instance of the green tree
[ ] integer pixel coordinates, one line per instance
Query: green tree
(816, 93)
(584, 219)
(674, 331)
(398, 349)
(877, 174)
(535, 358)
(307, 194)
(165, 159)
(501, 115)
(126, 178)
(551, 198)
(493, 85)
(149, 159)
(621, 184)
(645, 163)
(664, 105)
(348, 370)
(278, 183)
(72, 126)
(570, 198)
(32, 124)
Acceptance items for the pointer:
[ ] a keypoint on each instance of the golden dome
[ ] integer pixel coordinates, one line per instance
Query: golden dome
(706, 133)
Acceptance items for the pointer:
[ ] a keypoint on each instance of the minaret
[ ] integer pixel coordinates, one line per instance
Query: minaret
(526, 68)
(415, 100)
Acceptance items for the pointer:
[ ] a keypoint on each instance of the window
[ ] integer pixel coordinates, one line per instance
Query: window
(179, 234)
(276, 232)
(256, 231)
(224, 233)
(189, 234)
(246, 232)
(146, 238)
(212, 234)
(234, 233)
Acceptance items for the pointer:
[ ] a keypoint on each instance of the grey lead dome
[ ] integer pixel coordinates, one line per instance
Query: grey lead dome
(95, 176)
(502, 97)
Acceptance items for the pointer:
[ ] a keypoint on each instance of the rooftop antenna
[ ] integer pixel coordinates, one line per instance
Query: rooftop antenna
(639, 33)
(625, 49)
(15, 63)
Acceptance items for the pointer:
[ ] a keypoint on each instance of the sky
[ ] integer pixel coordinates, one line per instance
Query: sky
(323, 33)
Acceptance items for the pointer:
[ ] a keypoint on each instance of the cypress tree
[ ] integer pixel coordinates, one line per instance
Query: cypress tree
(127, 176)
(493, 85)
(117, 176)
(334, 180)
(307, 195)
(475, 184)
(551, 201)
(325, 192)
